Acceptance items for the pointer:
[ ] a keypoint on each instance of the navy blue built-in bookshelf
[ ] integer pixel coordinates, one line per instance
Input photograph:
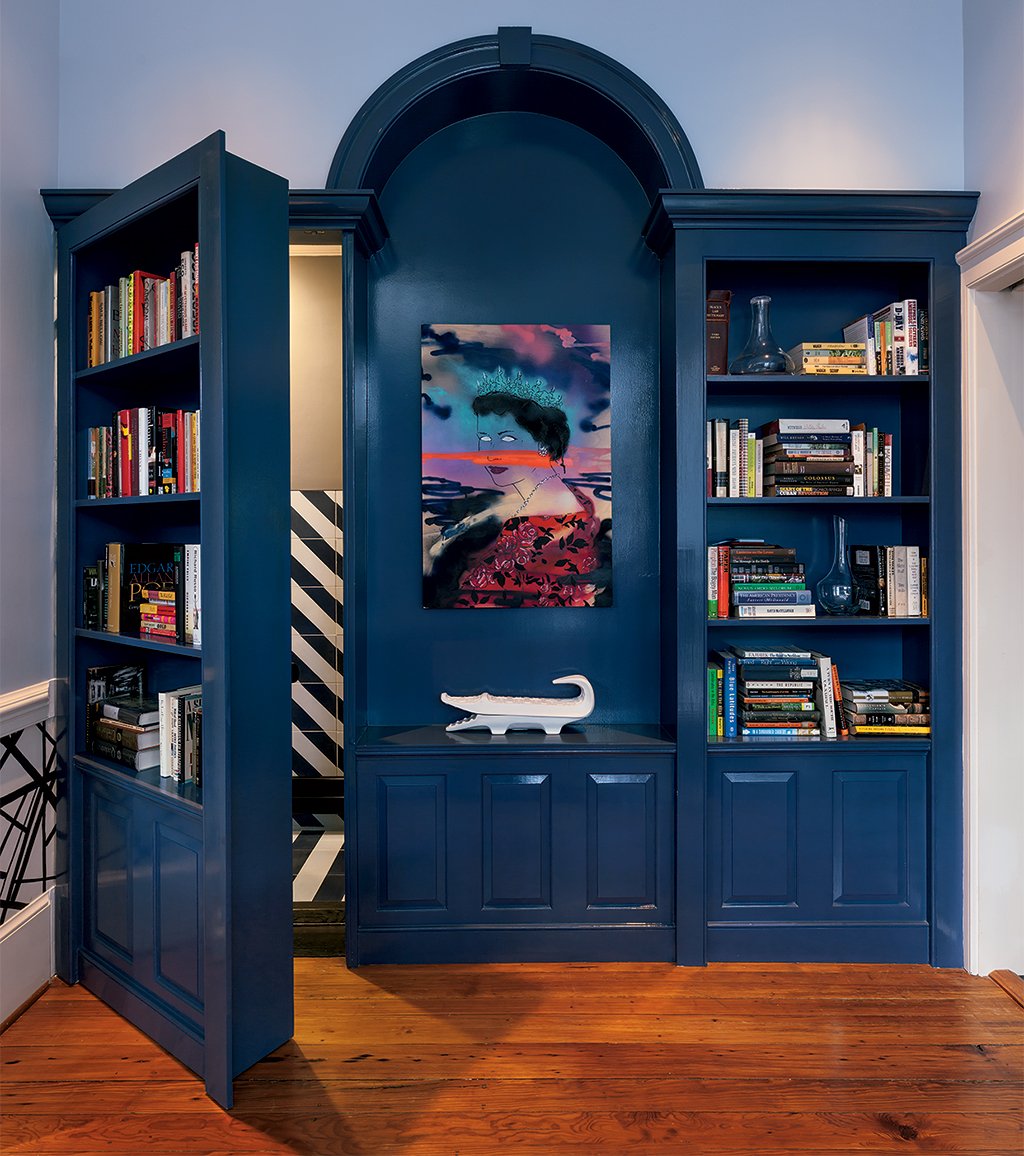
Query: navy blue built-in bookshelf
(177, 907)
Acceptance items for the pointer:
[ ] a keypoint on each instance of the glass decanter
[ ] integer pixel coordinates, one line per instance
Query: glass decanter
(836, 592)
(762, 353)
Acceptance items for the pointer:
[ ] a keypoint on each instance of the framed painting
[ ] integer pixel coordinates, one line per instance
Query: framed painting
(516, 475)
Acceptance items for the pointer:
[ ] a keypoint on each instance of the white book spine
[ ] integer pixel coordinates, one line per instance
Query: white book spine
(890, 581)
(193, 599)
(795, 425)
(899, 565)
(734, 463)
(857, 449)
(913, 581)
(826, 695)
(755, 611)
(163, 702)
(721, 458)
(913, 351)
(709, 457)
(742, 426)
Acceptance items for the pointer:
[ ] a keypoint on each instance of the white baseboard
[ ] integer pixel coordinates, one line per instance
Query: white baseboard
(26, 953)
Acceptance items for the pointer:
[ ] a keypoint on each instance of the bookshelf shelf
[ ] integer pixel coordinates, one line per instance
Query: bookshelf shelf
(869, 621)
(173, 941)
(873, 743)
(132, 640)
(187, 796)
(163, 360)
(776, 383)
(153, 501)
(857, 503)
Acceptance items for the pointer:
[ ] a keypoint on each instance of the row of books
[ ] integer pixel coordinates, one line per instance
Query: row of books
(890, 581)
(786, 692)
(141, 731)
(147, 590)
(751, 578)
(892, 340)
(797, 457)
(144, 451)
(144, 311)
(895, 338)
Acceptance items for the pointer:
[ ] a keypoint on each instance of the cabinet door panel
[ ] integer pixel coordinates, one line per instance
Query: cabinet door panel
(177, 907)
(516, 841)
(877, 840)
(622, 832)
(759, 839)
(110, 893)
(412, 841)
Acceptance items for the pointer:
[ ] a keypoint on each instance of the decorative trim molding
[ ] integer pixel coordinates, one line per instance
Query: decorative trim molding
(26, 951)
(514, 70)
(993, 241)
(26, 707)
(804, 209)
(990, 264)
(354, 210)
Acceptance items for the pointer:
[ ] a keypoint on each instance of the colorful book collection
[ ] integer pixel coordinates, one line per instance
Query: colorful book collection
(825, 359)
(890, 341)
(147, 590)
(895, 339)
(144, 451)
(786, 692)
(797, 457)
(140, 731)
(751, 578)
(144, 311)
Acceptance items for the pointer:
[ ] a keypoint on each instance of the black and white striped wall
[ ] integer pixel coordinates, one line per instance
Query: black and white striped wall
(317, 651)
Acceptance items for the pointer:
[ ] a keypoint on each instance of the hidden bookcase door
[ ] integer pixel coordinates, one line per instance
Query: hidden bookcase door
(177, 908)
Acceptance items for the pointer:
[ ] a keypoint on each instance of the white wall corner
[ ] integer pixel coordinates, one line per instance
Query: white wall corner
(26, 953)
(27, 706)
(993, 622)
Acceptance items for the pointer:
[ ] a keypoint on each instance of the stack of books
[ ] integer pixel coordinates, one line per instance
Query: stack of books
(127, 731)
(751, 578)
(830, 357)
(810, 457)
(887, 706)
(774, 692)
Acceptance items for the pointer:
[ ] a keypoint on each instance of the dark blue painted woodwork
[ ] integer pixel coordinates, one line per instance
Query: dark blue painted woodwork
(178, 905)
(823, 258)
(481, 845)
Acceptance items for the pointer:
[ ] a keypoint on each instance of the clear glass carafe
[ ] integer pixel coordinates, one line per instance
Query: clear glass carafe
(762, 353)
(837, 592)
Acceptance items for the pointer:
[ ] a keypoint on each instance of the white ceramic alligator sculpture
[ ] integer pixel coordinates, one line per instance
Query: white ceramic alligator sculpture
(501, 713)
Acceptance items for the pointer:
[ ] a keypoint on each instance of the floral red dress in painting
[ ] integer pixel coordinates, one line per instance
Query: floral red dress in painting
(542, 560)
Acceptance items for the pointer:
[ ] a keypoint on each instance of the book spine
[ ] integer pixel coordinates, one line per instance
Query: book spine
(709, 457)
(721, 458)
(913, 359)
(826, 696)
(842, 723)
(758, 468)
(193, 635)
(712, 714)
(890, 581)
(770, 597)
(775, 611)
(712, 581)
(729, 688)
(888, 474)
(723, 581)
(734, 463)
(742, 432)
(780, 732)
(717, 331)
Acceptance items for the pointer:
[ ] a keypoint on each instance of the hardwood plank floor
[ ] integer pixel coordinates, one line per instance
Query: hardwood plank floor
(538, 1059)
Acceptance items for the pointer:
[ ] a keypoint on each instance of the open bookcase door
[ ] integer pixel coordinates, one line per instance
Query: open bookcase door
(177, 905)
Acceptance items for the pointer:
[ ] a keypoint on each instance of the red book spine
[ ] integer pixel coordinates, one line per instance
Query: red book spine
(179, 465)
(125, 457)
(723, 581)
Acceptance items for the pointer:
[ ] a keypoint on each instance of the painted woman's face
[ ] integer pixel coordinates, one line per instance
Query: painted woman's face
(508, 453)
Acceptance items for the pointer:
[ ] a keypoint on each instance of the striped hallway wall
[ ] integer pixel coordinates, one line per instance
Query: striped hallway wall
(317, 547)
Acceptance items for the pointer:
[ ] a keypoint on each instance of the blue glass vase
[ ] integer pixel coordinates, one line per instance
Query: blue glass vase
(836, 592)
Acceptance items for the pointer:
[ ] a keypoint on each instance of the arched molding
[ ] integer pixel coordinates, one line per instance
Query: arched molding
(515, 71)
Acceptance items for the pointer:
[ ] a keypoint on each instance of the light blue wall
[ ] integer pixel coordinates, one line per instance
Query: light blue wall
(28, 161)
(772, 93)
(994, 109)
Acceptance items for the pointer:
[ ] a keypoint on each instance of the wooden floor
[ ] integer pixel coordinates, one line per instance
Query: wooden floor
(759, 1059)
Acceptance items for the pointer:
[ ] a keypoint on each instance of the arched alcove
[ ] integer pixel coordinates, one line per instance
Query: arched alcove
(515, 71)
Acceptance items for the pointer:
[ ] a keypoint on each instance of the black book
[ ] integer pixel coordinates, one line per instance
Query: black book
(140, 711)
(867, 565)
(103, 682)
(150, 566)
(137, 760)
(92, 598)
